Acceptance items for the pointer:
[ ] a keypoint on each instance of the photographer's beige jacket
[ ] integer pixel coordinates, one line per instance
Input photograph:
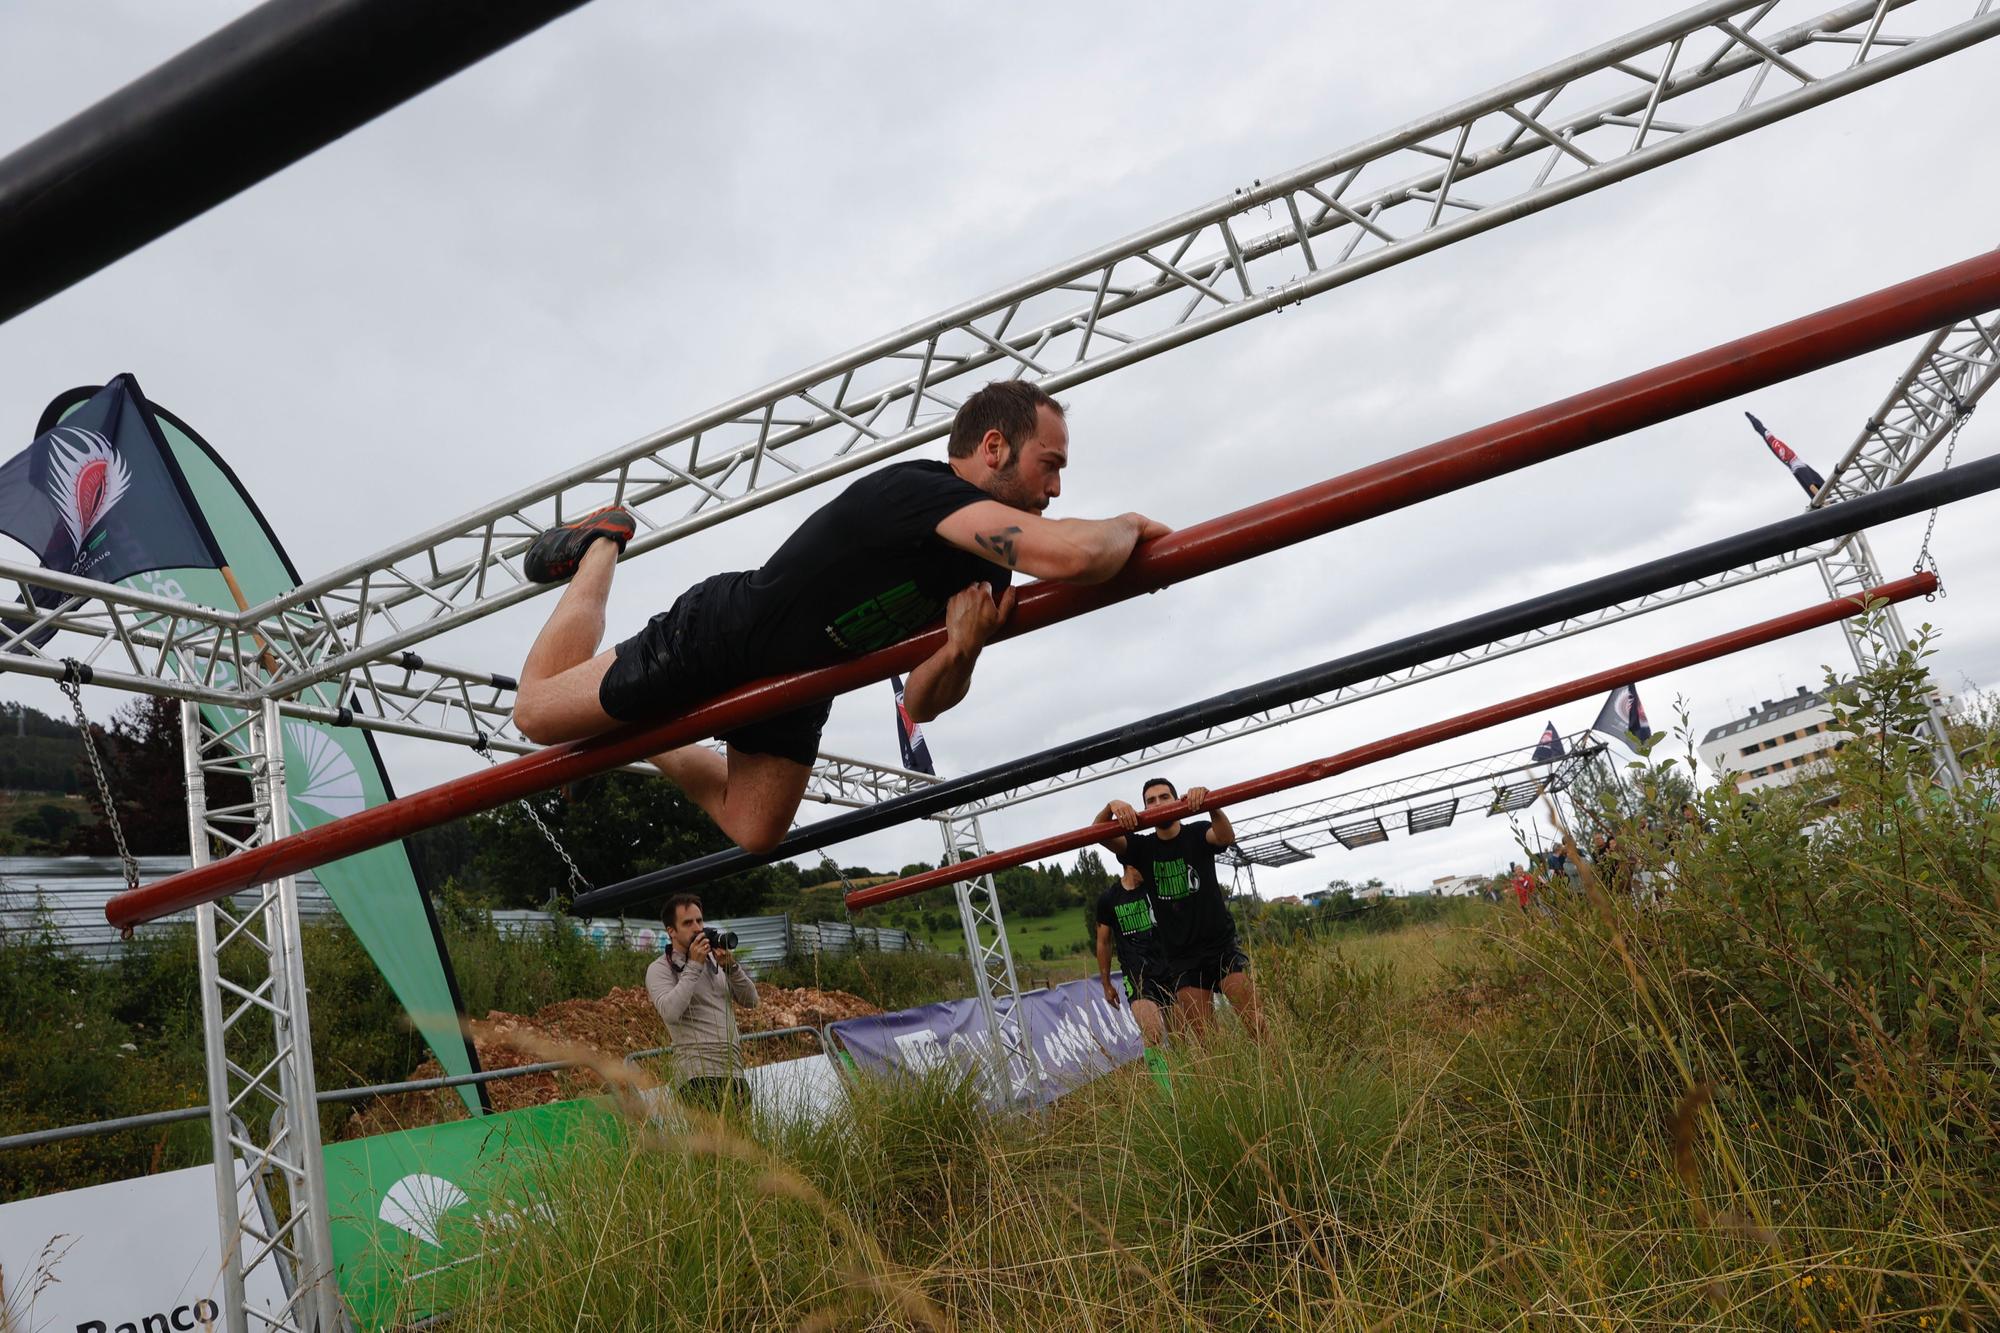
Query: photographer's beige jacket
(694, 1004)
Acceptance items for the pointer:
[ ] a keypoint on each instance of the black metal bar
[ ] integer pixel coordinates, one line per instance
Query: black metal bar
(286, 79)
(1774, 539)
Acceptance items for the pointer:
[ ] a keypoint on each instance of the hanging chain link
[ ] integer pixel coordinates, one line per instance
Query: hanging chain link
(1925, 560)
(71, 685)
(576, 879)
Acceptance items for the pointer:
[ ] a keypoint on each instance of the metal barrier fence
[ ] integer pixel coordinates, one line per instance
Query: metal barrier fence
(154, 1119)
(762, 940)
(61, 899)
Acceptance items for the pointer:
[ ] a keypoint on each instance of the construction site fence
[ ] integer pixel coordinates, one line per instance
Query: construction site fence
(762, 941)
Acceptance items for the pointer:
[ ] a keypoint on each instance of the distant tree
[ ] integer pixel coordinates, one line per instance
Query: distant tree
(47, 828)
(141, 751)
(615, 826)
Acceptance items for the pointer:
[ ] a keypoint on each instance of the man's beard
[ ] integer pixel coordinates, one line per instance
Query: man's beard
(1008, 488)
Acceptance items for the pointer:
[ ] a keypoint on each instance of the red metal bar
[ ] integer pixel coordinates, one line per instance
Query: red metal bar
(1527, 705)
(1809, 343)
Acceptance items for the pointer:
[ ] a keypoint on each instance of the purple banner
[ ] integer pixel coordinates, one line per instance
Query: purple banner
(1075, 1035)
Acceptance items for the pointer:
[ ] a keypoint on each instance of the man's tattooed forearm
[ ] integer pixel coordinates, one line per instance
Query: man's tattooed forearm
(1001, 544)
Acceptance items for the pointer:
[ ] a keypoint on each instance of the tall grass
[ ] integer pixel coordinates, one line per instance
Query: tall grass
(1749, 1086)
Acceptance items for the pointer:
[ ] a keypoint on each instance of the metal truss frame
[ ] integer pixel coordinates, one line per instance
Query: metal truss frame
(1317, 817)
(1012, 1068)
(251, 1084)
(1851, 568)
(1950, 373)
(1664, 92)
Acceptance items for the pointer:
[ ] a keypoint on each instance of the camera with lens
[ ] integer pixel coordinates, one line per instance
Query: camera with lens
(719, 939)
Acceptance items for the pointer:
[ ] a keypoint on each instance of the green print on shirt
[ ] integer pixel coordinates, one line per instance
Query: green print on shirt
(1170, 879)
(1134, 916)
(883, 619)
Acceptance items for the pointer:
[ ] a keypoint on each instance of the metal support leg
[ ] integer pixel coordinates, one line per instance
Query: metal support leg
(1014, 1072)
(1848, 569)
(251, 1081)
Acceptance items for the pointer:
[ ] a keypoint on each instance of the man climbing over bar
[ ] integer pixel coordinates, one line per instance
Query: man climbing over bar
(867, 570)
(1196, 934)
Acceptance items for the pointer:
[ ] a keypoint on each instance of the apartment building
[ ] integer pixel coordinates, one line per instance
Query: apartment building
(1770, 746)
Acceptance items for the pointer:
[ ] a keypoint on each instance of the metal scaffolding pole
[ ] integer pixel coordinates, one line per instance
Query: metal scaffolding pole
(1767, 631)
(250, 1082)
(1010, 1056)
(1846, 571)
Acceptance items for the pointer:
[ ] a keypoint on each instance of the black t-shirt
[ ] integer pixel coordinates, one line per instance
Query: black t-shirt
(1129, 914)
(1194, 924)
(865, 571)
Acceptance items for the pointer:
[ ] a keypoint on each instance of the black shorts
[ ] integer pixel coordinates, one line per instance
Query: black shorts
(725, 1094)
(679, 659)
(1149, 986)
(1209, 972)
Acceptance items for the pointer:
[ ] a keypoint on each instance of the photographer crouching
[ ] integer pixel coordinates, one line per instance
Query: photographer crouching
(693, 985)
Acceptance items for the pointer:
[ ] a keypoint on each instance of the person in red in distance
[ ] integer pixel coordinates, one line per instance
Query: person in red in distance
(1523, 882)
(880, 562)
(1195, 932)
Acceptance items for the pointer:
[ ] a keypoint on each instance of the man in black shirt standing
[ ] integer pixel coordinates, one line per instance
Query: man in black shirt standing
(878, 563)
(1125, 921)
(1195, 933)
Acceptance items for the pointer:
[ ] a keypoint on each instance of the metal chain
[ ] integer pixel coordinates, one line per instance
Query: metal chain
(1924, 557)
(71, 686)
(576, 879)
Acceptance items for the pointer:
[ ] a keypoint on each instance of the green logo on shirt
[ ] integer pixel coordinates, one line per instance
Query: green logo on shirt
(884, 619)
(1134, 916)
(1171, 880)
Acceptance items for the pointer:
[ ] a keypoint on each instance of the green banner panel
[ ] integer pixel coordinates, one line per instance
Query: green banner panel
(424, 1217)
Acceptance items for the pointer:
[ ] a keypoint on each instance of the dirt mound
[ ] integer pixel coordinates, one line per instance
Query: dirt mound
(609, 1029)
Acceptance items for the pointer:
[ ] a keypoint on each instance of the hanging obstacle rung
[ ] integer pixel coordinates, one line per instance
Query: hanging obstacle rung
(1772, 540)
(1527, 705)
(1788, 350)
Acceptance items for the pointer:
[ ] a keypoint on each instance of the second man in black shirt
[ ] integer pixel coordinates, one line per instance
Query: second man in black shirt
(1194, 933)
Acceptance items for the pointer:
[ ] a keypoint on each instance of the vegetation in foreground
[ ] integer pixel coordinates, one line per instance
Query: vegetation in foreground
(1744, 1081)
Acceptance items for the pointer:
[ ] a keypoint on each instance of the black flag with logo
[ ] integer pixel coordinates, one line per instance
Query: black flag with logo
(1551, 747)
(1623, 718)
(100, 496)
(910, 736)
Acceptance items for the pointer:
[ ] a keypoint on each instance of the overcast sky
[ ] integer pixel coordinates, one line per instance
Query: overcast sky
(644, 210)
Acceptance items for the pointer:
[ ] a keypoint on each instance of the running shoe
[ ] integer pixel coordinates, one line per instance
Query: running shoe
(555, 554)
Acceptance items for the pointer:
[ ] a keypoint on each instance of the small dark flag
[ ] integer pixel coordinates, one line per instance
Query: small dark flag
(910, 736)
(100, 496)
(1551, 747)
(1807, 478)
(1623, 718)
